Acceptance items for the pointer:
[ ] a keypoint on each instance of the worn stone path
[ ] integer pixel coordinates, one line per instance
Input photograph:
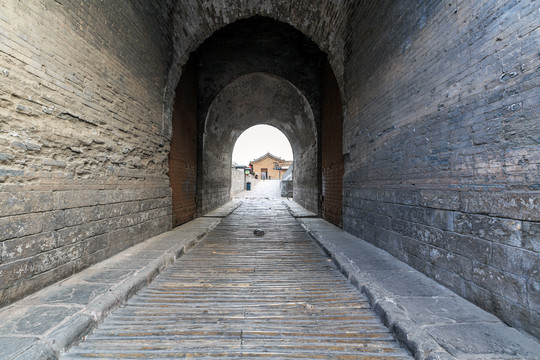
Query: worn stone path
(269, 189)
(239, 295)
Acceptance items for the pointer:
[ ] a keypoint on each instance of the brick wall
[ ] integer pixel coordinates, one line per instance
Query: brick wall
(331, 147)
(82, 159)
(183, 153)
(442, 146)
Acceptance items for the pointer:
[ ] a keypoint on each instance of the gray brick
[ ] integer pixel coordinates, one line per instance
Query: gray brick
(451, 262)
(118, 209)
(531, 236)
(28, 246)
(79, 233)
(15, 203)
(53, 220)
(415, 248)
(83, 215)
(73, 199)
(502, 283)
(449, 200)
(54, 258)
(517, 261)
(440, 219)
(533, 293)
(20, 225)
(473, 248)
(15, 271)
(521, 206)
(503, 231)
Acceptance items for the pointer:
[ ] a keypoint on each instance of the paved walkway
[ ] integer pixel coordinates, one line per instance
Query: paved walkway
(426, 318)
(238, 295)
(269, 189)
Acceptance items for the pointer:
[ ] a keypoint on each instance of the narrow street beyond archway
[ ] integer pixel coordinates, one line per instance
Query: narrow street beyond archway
(236, 294)
(269, 189)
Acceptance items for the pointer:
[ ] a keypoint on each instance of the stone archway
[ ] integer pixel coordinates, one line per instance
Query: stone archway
(193, 23)
(252, 99)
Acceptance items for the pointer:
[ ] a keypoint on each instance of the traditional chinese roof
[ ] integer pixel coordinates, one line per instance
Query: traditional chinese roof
(268, 155)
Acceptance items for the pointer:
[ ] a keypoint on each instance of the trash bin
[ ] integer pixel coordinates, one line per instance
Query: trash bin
(248, 186)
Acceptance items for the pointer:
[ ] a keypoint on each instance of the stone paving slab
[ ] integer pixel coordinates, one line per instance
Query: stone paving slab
(44, 324)
(428, 319)
(241, 295)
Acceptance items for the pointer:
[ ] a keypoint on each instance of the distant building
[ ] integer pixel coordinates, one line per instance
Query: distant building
(270, 167)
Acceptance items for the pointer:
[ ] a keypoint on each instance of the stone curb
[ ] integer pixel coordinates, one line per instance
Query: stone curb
(420, 344)
(411, 334)
(416, 341)
(75, 327)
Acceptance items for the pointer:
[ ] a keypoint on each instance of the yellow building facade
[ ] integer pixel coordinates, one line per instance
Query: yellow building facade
(270, 167)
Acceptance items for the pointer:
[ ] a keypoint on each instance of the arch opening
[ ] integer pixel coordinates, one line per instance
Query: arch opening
(262, 71)
(250, 100)
(328, 39)
(262, 153)
(259, 140)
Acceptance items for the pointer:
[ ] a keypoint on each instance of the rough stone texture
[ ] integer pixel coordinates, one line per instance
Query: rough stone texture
(441, 144)
(82, 156)
(440, 133)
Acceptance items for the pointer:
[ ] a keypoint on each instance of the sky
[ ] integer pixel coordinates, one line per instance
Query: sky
(257, 141)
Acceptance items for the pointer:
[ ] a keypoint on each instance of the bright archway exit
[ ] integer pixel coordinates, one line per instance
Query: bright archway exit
(259, 140)
(264, 157)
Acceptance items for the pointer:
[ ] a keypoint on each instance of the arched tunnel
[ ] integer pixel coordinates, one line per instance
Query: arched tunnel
(240, 83)
(415, 127)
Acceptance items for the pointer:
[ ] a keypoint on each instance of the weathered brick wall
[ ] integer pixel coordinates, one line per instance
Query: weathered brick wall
(442, 145)
(331, 147)
(183, 153)
(82, 159)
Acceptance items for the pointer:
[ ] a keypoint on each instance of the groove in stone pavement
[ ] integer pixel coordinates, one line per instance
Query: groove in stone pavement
(236, 295)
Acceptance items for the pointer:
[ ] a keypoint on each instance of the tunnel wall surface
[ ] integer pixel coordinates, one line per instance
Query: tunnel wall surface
(83, 160)
(251, 100)
(183, 152)
(331, 147)
(441, 142)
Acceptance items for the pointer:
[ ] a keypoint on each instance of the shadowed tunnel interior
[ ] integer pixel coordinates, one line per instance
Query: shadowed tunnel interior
(242, 82)
(415, 127)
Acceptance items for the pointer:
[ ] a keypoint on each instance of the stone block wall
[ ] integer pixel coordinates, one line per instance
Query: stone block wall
(83, 162)
(442, 145)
